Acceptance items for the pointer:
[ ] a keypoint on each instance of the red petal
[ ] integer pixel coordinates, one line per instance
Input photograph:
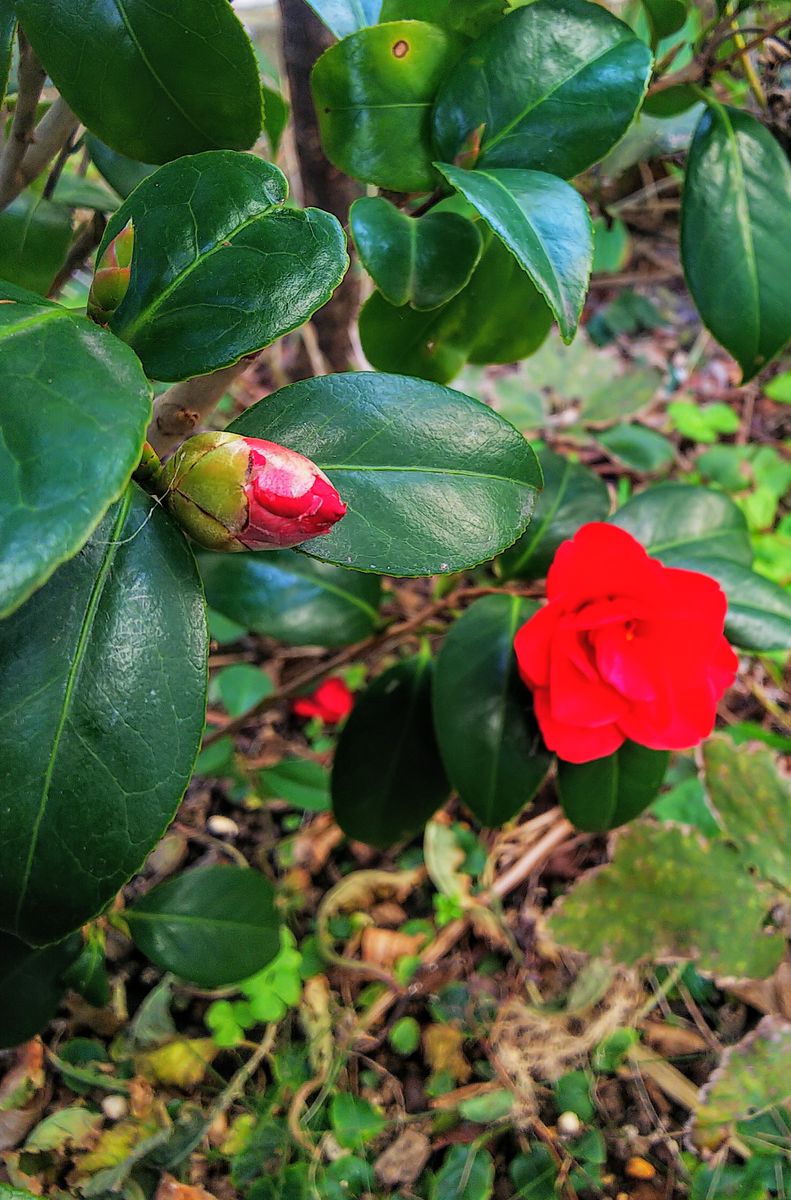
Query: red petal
(575, 743)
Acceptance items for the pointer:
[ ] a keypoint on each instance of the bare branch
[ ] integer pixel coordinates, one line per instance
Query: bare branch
(31, 83)
(182, 408)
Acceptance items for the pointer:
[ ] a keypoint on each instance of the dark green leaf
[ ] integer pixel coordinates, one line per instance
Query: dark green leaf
(488, 739)
(343, 17)
(736, 235)
(30, 986)
(610, 791)
(104, 675)
(678, 521)
(467, 1173)
(293, 598)
(373, 94)
(122, 173)
(759, 611)
(669, 892)
(299, 781)
(499, 317)
(572, 496)
(530, 82)
(388, 778)
(546, 226)
(88, 973)
(612, 246)
(7, 29)
(665, 17)
(214, 244)
(422, 500)
(34, 240)
(212, 926)
(422, 262)
(69, 437)
(152, 83)
(637, 447)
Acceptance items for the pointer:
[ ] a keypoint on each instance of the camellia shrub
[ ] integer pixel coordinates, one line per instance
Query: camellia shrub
(482, 125)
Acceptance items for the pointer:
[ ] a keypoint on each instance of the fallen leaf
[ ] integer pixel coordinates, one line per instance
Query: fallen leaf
(404, 1159)
(170, 1189)
(181, 1063)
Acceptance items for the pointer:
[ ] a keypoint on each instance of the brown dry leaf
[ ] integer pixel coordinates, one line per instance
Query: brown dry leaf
(314, 844)
(21, 1098)
(673, 1041)
(386, 946)
(170, 1189)
(404, 1159)
(771, 996)
(442, 1048)
(181, 1063)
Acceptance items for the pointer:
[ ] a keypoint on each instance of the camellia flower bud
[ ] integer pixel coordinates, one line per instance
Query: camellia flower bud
(236, 493)
(111, 279)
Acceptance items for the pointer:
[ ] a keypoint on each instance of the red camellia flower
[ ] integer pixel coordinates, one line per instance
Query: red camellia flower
(625, 648)
(331, 701)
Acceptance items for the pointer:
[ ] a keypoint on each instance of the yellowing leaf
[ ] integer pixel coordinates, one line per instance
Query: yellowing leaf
(181, 1063)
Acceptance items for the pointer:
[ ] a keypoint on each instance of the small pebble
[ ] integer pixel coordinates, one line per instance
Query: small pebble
(222, 826)
(640, 1168)
(115, 1107)
(569, 1124)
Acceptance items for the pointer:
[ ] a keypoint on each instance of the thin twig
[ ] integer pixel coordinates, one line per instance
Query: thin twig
(182, 408)
(53, 133)
(31, 83)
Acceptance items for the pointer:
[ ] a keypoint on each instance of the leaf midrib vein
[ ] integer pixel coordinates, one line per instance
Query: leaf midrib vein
(71, 681)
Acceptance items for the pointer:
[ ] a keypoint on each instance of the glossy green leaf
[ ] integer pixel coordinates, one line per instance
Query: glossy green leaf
(69, 437)
(546, 226)
(152, 83)
(422, 262)
(759, 611)
(554, 86)
(422, 500)
(7, 30)
(612, 246)
(30, 986)
(216, 249)
(373, 94)
(668, 892)
(293, 598)
(388, 779)
(343, 17)
(498, 317)
(754, 805)
(637, 447)
(276, 114)
(35, 235)
(467, 1173)
(301, 782)
(665, 17)
(677, 521)
(123, 174)
(104, 675)
(610, 791)
(212, 926)
(572, 496)
(736, 235)
(487, 736)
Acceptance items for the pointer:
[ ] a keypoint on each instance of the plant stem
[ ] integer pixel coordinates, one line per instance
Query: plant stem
(88, 237)
(182, 408)
(51, 135)
(31, 83)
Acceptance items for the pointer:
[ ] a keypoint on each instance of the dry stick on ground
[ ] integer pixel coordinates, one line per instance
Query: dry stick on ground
(182, 408)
